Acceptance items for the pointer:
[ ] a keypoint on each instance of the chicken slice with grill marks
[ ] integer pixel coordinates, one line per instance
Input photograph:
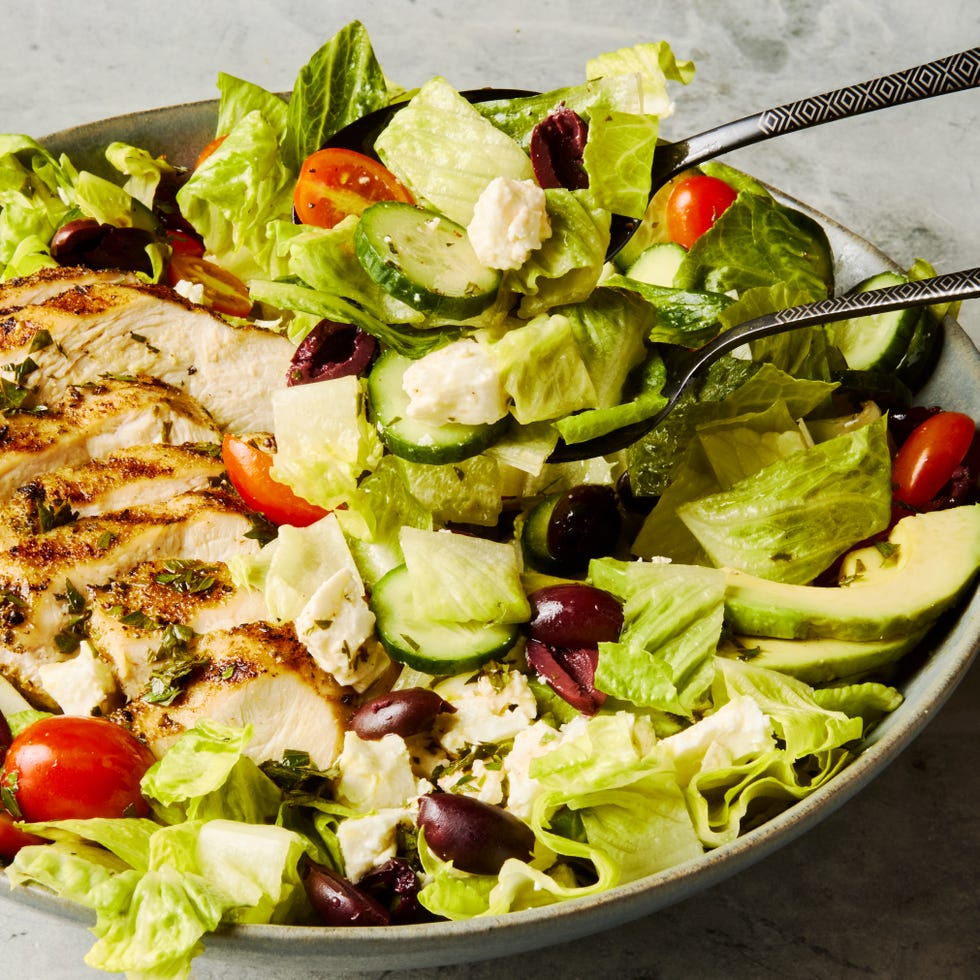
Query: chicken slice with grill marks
(125, 478)
(258, 675)
(42, 576)
(82, 335)
(91, 420)
(48, 282)
(136, 620)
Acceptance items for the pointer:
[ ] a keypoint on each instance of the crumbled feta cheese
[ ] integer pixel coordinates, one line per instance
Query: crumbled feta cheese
(522, 788)
(510, 220)
(737, 731)
(482, 782)
(366, 842)
(456, 383)
(82, 685)
(375, 775)
(335, 625)
(486, 713)
(193, 292)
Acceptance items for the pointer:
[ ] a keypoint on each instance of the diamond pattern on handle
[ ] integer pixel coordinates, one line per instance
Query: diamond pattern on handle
(923, 291)
(952, 74)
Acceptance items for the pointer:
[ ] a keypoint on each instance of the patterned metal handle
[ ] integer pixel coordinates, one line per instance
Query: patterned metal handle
(954, 73)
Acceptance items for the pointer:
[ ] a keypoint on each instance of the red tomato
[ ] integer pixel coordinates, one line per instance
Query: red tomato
(248, 469)
(926, 460)
(335, 182)
(208, 150)
(69, 766)
(223, 292)
(694, 205)
(12, 838)
(182, 242)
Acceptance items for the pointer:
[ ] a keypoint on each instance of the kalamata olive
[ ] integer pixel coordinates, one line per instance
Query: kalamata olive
(402, 713)
(87, 243)
(557, 147)
(331, 350)
(574, 614)
(395, 885)
(569, 672)
(338, 902)
(6, 737)
(631, 502)
(477, 837)
(564, 531)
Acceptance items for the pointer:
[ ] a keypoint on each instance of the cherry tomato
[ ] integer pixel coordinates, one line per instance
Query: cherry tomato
(694, 205)
(12, 838)
(335, 182)
(208, 150)
(183, 242)
(926, 460)
(223, 292)
(248, 469)
(69, 766)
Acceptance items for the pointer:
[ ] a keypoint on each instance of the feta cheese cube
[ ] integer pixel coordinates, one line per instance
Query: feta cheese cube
(82, 685)
(366, 842)
(510, 220)
(485, 712)
(375, 775)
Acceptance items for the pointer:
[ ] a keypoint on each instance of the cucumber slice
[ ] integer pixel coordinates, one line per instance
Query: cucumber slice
(658, 264)
(419, 442)
(920, 357)
(437, 648)
(425, 260)
(880, 341)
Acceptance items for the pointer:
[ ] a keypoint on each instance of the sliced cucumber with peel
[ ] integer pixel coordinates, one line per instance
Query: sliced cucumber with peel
(437, 648)
(880, 341)
(420, 442)
(658, 264)
(425, 260)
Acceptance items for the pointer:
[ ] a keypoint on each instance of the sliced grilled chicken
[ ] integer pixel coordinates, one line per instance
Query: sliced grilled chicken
(258, 675)
(45, 283)
(126, 478)
(91, 420)
(132, 618)
(82, 335)
(35, 596)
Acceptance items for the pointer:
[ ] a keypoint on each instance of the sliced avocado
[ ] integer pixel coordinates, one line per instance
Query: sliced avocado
(822, 660)
(887, 592)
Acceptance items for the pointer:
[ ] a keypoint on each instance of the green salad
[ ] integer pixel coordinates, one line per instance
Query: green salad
(554, 677)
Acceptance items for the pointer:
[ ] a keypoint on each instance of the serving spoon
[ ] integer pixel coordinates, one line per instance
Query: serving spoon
(688, 364)
(954, 73)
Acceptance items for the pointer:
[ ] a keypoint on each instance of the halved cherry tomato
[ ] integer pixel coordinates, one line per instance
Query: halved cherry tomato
(208, 150)
(926, 460)
(182, 242)
(12, 838)
(335, 182)
(223, 291)
(694, 205)
(248, 469)
(68, 766)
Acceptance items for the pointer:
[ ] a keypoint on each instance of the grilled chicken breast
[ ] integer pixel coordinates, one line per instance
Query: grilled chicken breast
(80, 336)
(91, 420)
(258, 675)
(128, 477)
(132, 617)
(45, 283)
(40, 573)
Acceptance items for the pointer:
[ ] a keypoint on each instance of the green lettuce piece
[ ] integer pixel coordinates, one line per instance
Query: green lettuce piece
(238, 98)
(461, 578)
(143, 170)
(235, 194)
(339, 84)
(791, 519)
(324, 440)
(867, 700)
(673, 616)
(567, 266)
(758, 243)
(446, 153)
(205, 774)
(654, 63)
(128, 839)
(467, 492)
(618, 158)
(542, 369)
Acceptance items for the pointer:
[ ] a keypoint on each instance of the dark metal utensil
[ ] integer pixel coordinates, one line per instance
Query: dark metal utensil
(940, 289)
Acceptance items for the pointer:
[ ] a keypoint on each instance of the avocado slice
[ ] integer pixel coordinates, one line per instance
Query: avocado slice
(822, 660)
(886, 593)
